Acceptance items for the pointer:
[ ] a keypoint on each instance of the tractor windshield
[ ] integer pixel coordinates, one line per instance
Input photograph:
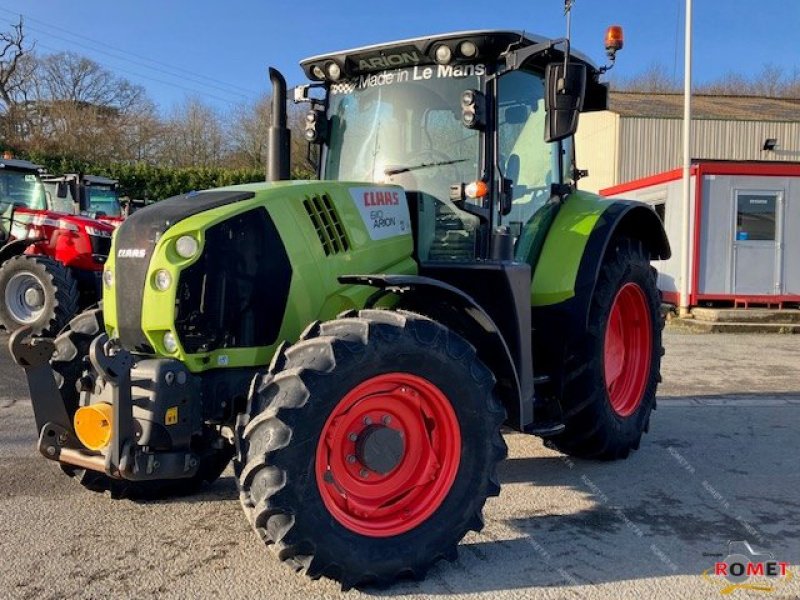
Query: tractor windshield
(18, 188)
(103, 199)
(404, 127)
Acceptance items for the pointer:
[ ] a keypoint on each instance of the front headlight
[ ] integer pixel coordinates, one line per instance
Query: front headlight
(170, 343)
(162, 280)
(95, 231)
(186, 246)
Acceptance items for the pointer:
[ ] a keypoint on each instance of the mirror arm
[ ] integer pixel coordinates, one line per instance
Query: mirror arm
(517, 58)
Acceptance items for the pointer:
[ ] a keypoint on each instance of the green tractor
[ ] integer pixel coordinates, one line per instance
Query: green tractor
(356, 344)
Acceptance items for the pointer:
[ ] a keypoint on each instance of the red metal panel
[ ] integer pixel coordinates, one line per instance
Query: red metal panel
(638, 184)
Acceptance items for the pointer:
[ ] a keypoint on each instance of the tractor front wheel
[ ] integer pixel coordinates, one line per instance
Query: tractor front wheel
(370, 447)
(36, 291)
(609, 389)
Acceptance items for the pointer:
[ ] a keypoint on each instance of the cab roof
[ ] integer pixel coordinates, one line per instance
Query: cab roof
(17, 164)
(420, 51)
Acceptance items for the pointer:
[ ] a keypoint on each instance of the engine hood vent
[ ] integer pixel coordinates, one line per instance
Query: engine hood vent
(327, 224)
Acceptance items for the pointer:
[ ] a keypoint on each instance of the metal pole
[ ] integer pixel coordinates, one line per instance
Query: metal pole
(686, 245)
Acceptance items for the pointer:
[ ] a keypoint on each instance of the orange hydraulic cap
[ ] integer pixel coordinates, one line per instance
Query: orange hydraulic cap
(615, 39)
(93, 425)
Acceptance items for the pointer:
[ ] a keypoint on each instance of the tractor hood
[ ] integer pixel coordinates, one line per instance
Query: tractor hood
(218, 277)
(54, 220)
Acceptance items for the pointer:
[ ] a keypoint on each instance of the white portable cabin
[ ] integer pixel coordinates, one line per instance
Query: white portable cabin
(744, 231)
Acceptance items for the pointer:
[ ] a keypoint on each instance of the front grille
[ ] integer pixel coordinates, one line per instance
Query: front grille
(327, 224)
(136, 242)
(235, 295)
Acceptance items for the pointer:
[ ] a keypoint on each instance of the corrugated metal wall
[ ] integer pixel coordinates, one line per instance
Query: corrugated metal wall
(618, 149)
(650, 146)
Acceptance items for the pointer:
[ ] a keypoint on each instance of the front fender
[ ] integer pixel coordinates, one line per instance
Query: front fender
(460, 312)
(17, 247)
(577, 241)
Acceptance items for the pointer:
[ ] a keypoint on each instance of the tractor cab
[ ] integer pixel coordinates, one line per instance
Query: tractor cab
(461, 122)
(87, 195)
(20, 189)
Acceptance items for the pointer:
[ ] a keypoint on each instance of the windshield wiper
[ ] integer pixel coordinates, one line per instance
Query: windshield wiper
(443, 163)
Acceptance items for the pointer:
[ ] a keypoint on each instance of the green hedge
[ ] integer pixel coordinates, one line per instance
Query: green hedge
(149, 182)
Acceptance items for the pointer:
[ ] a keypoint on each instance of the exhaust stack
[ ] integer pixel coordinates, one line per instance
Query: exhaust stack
(278, 136)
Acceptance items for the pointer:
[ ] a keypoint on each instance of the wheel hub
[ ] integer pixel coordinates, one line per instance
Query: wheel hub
(380, 448)
(628, 349)
(34, 298)
(388, 455)
(24, 297)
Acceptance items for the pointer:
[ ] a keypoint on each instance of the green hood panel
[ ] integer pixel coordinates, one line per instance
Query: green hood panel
(328, 229)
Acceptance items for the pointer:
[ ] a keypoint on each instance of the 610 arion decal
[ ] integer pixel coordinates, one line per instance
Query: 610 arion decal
(383, 210)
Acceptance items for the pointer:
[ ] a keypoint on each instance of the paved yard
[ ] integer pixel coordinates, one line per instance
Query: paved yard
(719, 464)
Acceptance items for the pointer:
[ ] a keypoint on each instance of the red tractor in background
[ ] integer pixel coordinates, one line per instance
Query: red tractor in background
(51, 260)
(88, 195)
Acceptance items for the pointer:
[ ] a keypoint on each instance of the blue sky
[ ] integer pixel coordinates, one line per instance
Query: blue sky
(220, 50)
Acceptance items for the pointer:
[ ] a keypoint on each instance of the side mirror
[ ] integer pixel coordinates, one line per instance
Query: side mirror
(61, 189)
(563, 101)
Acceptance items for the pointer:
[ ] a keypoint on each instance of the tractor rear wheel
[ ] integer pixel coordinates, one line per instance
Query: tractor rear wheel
(37, 291)
(370, 447)
(70, 365)
(611, 376)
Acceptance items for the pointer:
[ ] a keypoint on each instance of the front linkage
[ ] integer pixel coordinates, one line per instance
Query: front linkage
(123, 458)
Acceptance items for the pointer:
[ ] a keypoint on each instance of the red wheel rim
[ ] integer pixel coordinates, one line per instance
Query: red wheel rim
(398, 406)
(628, 348)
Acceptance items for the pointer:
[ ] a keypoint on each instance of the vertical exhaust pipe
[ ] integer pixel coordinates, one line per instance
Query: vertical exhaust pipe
(278, 139)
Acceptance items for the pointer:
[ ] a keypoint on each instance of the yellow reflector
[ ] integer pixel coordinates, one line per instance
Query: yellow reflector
(93, 425)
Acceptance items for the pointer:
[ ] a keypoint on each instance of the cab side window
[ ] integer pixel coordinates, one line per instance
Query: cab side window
(524, 157)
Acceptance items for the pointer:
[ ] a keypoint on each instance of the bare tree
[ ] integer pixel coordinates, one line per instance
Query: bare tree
(70, 77)
(194, 136)
(14, 51)
(655, 78)
(247, 133)
(247, 129)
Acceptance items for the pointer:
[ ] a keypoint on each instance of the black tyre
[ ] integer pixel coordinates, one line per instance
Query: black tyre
(338, 472)
(37, 291)
(71, 367)
(612, 373)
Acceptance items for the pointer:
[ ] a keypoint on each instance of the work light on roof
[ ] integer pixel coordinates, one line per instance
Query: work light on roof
(318, 72)
(468, 49)
(334, 71)
(443, 54)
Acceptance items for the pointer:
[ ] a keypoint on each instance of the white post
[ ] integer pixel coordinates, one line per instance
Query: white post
(686, 242)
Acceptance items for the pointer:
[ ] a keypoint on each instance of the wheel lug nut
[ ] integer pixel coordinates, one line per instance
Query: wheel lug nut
(351, 458)
(364, 473)
(387, 419)
(353, 437)
(367, 421)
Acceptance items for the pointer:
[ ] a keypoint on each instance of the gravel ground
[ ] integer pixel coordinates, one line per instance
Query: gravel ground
(719, 464)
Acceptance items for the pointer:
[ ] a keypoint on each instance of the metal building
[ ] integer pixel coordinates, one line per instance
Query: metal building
(745, 230)
(641, 134)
